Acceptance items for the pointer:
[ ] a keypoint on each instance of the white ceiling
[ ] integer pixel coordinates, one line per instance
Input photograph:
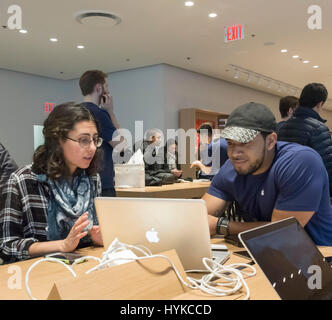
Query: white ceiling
(165, 31)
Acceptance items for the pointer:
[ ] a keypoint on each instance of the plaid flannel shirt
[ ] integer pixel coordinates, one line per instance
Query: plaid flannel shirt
(23, 213)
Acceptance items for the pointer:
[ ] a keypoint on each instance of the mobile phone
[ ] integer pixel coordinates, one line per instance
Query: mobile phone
(103, 98)
(66, 257)
(243, 254)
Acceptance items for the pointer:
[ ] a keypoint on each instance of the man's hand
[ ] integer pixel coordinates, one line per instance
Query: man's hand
(76, 234)
(107, 103)
(198, 164)
(176, 172)
(212, 224)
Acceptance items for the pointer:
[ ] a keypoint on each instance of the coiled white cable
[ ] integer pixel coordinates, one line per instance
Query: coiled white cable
(38, 262)
(233, 278)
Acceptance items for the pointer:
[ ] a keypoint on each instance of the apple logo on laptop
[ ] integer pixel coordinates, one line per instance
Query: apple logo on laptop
(152, 236)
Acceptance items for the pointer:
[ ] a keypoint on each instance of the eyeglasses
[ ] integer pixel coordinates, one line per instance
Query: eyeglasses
(85, 142)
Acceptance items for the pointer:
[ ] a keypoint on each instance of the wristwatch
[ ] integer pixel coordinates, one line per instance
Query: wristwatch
(223, 226)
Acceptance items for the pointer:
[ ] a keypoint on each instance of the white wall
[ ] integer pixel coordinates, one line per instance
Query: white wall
(154, 94)
(22, 97)
(186, 89)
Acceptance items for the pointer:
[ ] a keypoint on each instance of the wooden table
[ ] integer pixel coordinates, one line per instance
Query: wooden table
(182, 190)
(45, 274)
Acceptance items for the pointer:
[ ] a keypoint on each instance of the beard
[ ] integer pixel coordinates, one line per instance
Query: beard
(253, 167)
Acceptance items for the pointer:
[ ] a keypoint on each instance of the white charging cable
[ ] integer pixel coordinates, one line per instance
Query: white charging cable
(38, 262)
(233, 278)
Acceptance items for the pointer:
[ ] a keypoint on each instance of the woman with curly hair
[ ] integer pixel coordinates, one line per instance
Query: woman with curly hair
(47, 206)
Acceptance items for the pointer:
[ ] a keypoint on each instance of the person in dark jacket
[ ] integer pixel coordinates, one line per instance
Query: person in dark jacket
(155, 172)
(306, 126)
(7, 166)
(171, 159)
(287, 106)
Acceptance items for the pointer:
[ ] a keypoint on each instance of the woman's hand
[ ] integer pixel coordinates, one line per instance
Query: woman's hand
(76, 234)
(95, 234)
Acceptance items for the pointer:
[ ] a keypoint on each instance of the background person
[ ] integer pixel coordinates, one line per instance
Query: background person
(213, 154)
(170, 155)
(97, 99)
(307, 128)
(7, 166)
(287, 106)
(48, 206)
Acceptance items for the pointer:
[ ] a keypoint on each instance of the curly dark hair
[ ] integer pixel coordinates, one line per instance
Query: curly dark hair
(48, 158)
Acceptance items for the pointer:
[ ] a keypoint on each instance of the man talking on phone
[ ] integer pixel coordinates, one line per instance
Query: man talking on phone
(97, 99)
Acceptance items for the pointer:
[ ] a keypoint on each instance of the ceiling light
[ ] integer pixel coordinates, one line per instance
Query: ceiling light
(315, 67)
(54, 40)
(212, 15)
(188, 3)
(80, 47)
(306, 61)
(23, 31)
(296, 56)
(284, 50)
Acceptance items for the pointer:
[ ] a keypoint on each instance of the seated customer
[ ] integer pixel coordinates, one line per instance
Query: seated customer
(217, 151)
(7, 166)
(48, 206)
(213, 154)
(170, 155)
(269, 180)
(155, 173)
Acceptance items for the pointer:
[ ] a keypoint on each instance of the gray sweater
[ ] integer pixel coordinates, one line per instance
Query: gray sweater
(7, 166)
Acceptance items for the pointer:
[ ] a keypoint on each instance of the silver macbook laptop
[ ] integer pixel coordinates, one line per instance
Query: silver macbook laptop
(158, 224)
(290, 260)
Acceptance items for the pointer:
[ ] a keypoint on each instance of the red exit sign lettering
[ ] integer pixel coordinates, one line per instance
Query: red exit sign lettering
(233, 33)
(49, 106)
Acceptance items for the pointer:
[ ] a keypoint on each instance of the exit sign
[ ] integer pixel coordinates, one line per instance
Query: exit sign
(233, 33)
(49, 106)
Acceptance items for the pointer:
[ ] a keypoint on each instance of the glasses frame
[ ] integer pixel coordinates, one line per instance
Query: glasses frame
(98, 144)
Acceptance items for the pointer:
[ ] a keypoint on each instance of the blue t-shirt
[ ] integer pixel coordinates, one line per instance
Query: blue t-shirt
(296, 181)
(107, 130)
(215, 156)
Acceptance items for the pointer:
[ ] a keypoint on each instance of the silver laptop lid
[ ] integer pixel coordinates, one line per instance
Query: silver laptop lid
(159, 224)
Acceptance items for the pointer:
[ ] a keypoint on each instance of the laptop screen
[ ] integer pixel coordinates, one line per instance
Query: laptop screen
(290, 260)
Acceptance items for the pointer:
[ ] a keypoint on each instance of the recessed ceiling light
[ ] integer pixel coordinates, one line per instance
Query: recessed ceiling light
(315, 67)
(295, 56)
(188, 3)
(23, 31)
(53, 39)
(306, 61)
(80, 47)
(212, 15)
(284, 50)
